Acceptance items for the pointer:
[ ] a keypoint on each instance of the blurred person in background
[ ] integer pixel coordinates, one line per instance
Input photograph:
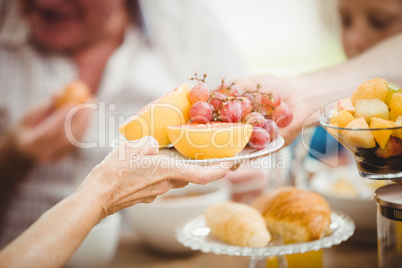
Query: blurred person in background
(363, 25)
(52, 239)
(127, 52)
(371, 34)
(371, 37)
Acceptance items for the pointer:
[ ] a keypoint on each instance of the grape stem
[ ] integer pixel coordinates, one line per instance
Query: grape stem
(228, 87)
(199, 79)
(265, 94)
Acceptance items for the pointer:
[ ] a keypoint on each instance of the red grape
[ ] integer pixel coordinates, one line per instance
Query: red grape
(267, 110)
(216, 99)
(254, 108)
(201, 112)
(271, 99)
(246, 106)
(271, 127)
(282, 115)
(255, 119)
(258, 98)
(199, 92)
(231, 111)
(228, 89)
(261, 109)
(248, 96)
(259, 138)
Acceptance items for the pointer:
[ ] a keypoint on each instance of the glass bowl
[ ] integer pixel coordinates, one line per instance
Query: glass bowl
(373, 162)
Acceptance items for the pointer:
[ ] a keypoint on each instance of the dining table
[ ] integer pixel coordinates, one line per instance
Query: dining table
(133, 252)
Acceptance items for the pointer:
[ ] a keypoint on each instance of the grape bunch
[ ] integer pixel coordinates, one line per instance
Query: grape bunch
(263, 110)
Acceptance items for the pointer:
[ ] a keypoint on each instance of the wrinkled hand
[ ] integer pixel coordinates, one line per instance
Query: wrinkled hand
(135, 173)
(41, 133)
(288, 95)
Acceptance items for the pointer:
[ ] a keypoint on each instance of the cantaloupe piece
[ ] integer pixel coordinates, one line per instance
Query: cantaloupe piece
(358, 138)
(345, 104)
(376, 88)
(392, 89)
(397, 132)
(381, 136)
(214, 140)
(172, 109)
(395, 105)
(344, 117)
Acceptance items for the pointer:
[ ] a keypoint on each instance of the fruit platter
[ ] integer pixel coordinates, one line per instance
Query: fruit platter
(206, 125)
(369, 124)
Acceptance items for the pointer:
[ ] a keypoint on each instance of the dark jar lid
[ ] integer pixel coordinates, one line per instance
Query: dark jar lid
(389, 197)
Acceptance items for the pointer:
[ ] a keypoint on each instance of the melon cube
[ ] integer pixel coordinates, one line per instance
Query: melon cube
(392, 89)
(392, 116)
(345, 104)
(153, 119)
(358, 138)
(343, 118)
(398, 132)
(395, 104)
(381, 136)
(333, 118)
(368, 108)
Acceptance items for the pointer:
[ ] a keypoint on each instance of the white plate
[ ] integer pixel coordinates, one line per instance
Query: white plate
(247, 153)
(196, 235)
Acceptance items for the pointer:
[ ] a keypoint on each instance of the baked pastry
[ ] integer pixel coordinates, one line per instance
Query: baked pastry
(295, 215)
(237, 224)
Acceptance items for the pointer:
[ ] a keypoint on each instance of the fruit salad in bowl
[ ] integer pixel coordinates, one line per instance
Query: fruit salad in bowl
(369, 124)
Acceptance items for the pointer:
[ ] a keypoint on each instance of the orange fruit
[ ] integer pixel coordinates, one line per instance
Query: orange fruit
(345, 105)
(376, 88)
(75, 92)
(381, 136)
(397, 132)
(342, 119)
(395, 104)
(214, 140)
(172, 109)
(358, 138)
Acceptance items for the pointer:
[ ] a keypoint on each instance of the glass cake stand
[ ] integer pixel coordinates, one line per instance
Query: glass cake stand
(196, 235)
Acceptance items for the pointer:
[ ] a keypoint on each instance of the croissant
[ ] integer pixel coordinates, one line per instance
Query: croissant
(237, 224)
(295, 215)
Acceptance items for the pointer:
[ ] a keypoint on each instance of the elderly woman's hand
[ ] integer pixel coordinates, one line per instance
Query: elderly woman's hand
(130, 174)
(134, 173)
(42, 132)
